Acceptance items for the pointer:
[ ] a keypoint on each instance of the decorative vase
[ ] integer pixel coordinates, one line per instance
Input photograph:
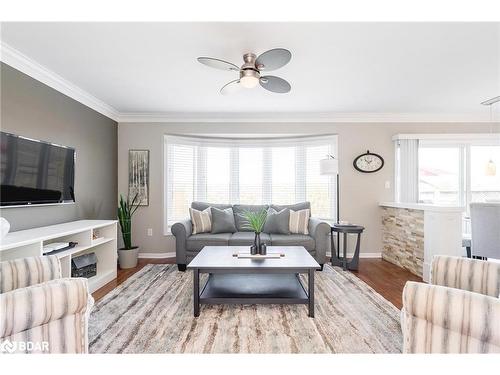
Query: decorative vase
(263, 249)
(256, 241)
(4, 227)
(253, 250)
(127, 258)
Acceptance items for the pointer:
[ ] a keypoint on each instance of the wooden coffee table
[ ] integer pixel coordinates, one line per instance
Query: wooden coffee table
(234, 280)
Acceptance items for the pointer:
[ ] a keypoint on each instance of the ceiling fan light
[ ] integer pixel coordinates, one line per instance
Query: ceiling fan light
(249, 82)
(249, 78)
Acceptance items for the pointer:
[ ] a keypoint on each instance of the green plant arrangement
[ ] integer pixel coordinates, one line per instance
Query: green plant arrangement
(126, 210)
(254, 220)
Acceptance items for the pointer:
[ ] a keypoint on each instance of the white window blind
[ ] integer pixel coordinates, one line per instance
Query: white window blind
(283, 172)
(407, 187)
(257, 171)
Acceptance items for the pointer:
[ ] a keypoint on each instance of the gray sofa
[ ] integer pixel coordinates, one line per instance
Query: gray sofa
(188, 244)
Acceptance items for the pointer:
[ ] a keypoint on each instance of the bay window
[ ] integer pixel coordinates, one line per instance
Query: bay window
(247, 171)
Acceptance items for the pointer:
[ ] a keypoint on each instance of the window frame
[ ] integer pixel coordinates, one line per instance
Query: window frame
(462, 141)
(234, 144)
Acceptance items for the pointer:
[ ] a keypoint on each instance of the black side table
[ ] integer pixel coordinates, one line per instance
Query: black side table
(342, 262)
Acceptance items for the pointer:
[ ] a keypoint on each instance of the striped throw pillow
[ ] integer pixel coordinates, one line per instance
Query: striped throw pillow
(299, 221)
(202, 220)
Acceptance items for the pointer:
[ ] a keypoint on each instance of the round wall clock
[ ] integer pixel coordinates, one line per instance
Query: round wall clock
(368, 162)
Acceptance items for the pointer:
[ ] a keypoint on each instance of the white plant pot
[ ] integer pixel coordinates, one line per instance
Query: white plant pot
(4, 227)
(128, 258)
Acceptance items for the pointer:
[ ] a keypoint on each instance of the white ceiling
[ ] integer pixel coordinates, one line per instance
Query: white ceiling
(151, 68)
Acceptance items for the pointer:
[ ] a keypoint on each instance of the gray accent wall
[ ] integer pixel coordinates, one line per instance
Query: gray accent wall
(31, 109)
(360, 193)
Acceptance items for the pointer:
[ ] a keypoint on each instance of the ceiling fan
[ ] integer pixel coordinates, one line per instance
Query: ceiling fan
(250, 71)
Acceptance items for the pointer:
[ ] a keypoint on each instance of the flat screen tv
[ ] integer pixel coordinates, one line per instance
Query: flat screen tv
(35, 172)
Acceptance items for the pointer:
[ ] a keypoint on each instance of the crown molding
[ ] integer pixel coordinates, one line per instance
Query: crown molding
(325, 117)
(26, 65)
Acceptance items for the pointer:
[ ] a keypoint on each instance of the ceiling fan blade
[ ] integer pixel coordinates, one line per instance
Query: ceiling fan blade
(275, 84)
(273, 59)
(218, 64)
(231, 87)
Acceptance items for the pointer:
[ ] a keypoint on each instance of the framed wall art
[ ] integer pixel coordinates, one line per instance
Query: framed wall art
(138, 175)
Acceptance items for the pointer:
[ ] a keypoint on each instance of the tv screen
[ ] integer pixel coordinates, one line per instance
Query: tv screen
(35, 172)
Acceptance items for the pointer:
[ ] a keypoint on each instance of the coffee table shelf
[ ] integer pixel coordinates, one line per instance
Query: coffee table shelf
(253, 289)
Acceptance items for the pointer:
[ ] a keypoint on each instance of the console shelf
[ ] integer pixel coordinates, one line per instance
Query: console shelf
(26, 243)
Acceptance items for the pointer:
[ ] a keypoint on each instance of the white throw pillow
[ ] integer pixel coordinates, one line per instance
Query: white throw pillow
(201, 220)
(299, 221)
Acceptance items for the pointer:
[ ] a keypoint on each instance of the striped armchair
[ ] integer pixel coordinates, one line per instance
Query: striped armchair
(40, 311)
(459, 312)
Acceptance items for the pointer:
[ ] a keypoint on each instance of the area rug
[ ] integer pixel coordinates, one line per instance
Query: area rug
(152, 312)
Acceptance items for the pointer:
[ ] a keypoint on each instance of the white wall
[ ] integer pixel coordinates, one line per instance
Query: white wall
(360, 192)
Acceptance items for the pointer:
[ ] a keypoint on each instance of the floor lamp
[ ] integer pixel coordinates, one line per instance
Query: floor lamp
(330, 167)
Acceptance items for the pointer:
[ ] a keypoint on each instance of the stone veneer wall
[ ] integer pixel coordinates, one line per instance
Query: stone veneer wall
(403, 238)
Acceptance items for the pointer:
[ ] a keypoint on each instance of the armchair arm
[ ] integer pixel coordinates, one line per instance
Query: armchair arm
(320, 231)
(23, 272)
(181, 230)
(438, 319)
(474, 275)
(36, 305)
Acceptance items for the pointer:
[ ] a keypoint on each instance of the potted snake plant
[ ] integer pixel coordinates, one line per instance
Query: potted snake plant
(255, 221)
(127, 255)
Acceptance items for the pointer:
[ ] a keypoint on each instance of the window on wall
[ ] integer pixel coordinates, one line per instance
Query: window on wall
(455, 171)
(283, 173)
(456, 174)
(217, 186)
(180, 178)
(279, 171)
(439, 175)
(484, 187)
(250, 175)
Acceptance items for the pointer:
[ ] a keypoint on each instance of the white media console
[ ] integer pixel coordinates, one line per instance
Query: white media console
(30, 242)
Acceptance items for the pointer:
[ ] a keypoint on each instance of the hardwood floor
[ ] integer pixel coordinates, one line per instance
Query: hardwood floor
(386, 278)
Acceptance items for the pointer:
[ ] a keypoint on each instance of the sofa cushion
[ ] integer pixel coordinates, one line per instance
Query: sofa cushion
(295, 207)
(222, 220)
(201, 220)
(293, 240)
(200, 206)
(196, 242)
(277, 222)
(247, 238)
(299, 221)
(239, 209)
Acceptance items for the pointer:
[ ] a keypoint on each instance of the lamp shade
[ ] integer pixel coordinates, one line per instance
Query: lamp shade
(329, 166)
(491, 168)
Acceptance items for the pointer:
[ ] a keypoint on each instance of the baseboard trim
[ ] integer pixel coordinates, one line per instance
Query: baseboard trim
(156, 255)
(361, 255)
